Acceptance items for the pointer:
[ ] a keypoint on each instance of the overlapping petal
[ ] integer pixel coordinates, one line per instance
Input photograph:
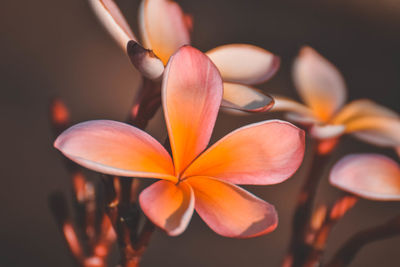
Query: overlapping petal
(319, 83)
(116, 148)
(113, 20)
(192, 93)
(362, 108)
(163, 27)
(382, 131)
(244, 63)
(231, 211)
(245, 98)
(169, 206)
(147, 63)
(262, 153)
(297, 112)
(370, 176)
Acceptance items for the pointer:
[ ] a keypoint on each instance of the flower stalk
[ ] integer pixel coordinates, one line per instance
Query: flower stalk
(299, 248)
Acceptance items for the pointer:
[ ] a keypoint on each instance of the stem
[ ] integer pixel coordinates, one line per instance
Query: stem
(299, 248)
(320, 237)
(146, 104)
(349, 250)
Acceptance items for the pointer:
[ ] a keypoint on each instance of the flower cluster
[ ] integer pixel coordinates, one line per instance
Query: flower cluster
(263, 153)
(193, 176)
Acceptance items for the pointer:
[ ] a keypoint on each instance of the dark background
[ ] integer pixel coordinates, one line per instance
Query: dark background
(51, 48)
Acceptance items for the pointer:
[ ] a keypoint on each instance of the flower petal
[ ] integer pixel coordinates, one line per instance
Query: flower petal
(231, 211)
(113, 20)
(362, 108)
(370, 176)
(383, 131)
(145, 61)
(327, 131)
(245, 98)
(191, 95)
(168, 206)
(319, 83)
(244, 63)
(297, 112)
(163, 27)
(115, 148)
(267, 152)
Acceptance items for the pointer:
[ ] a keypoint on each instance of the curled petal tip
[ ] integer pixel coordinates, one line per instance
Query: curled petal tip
(245, 99)
(148, 64)
(112, 19)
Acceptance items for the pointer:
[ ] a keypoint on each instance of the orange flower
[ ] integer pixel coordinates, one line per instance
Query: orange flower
(263, 153)
(370, 176)
(165, 28)
(322, 88)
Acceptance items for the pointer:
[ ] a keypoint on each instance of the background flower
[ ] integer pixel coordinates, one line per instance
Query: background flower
(323, 89)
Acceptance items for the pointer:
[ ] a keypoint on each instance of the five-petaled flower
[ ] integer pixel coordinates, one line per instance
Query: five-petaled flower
(370, 176)
(322, 88)
(164, 28)
(263, 153)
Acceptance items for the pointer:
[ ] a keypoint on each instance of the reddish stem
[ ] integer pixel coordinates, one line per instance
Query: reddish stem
(320, 236)
(299, 248)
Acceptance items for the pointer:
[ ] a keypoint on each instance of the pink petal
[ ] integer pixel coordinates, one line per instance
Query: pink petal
(231, 211)
(243, 63)
(117, 149)
(245, 98)
(369, 176)
(267, 152)
(191, 95)
(113, 20)
(163, 27)
(319, 83)
(168, 206)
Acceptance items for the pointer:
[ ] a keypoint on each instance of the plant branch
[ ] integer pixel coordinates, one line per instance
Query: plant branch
(299, 248)
(349, 250)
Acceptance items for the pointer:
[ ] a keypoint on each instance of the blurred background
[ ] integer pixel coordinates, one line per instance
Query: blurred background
(58, 48)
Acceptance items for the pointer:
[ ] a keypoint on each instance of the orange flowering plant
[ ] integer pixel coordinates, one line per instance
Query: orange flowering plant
(264, 153)
(191, 87)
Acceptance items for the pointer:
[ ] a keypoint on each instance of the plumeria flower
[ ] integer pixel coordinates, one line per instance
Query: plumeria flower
(164, 28)
(322, 88)
(263, 153)
(370, 176)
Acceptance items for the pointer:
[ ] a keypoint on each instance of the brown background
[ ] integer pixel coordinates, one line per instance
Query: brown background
(53, 48)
